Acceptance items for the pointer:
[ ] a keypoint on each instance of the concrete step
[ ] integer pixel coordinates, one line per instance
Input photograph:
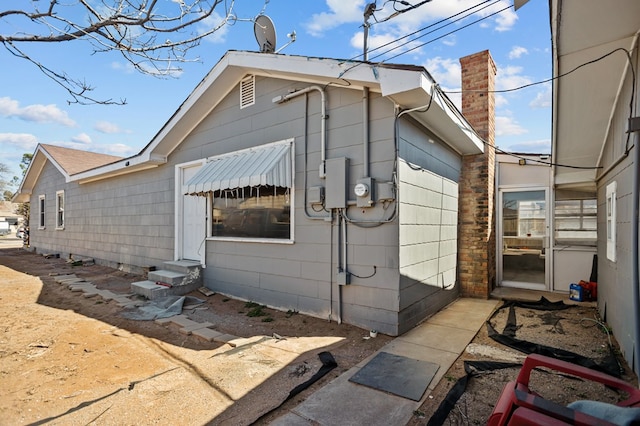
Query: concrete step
(168, 277)
(182, 276)
(182, 266)
(150, 289)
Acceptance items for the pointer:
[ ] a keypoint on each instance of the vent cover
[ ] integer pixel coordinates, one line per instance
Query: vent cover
(247, 91)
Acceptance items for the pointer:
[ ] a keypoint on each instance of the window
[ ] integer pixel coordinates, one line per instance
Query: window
(250, 191)
(60, 210)
(41, 216)
(576, 221)
(258, 212)
(611, 221)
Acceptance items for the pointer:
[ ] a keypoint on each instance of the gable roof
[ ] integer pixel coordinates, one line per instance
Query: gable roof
(68, 161)
(71, 161)
(409, 86)
(584, 101)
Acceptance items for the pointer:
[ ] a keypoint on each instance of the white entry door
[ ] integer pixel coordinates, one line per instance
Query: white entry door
(523, 243)
(193, 230)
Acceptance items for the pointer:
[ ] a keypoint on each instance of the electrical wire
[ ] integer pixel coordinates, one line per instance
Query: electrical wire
(464, 14)
(420, 30)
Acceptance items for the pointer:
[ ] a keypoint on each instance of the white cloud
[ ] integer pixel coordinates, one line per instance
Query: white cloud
(22, 141)
(82, 138)
(538, 147)
(118, 149)
(508, 126)
(450, 40)
(506, 19)
(340, 12)
(37, 113)
(108, 128)
(517, 51)
(125, 67)
(543, 98)
(510, 77)
(445, 71)
(501, 100)
(217, 22)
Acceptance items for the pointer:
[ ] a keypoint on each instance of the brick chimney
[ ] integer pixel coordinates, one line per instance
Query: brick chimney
(477, 240)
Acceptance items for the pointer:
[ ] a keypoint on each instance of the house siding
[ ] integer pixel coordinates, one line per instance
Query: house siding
(124, 222)
(615, 284)
(303, 276)
(128, 221)
(428, 195)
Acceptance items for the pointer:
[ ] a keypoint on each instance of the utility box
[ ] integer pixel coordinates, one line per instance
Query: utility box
(336, 183)
(315, 195)
(365, 191)
(385, 192)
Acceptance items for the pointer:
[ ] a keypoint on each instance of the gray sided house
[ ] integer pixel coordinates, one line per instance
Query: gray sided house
(314, 185)
(595, 143)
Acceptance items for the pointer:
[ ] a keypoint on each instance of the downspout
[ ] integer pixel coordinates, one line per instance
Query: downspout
(634, 127)
(323, 121)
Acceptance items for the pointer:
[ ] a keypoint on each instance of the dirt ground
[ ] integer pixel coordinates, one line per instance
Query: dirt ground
(577, 329)
(67, 359)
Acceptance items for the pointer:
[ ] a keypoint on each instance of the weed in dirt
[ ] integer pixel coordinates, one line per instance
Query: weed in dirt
(267, 319)
(291, 313)
(251, 305)
(257, 311)
(226, 299)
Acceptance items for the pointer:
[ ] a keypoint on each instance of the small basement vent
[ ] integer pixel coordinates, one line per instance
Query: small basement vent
(248, 91)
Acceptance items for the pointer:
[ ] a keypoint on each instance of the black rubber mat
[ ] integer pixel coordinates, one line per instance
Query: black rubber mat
(396, 374)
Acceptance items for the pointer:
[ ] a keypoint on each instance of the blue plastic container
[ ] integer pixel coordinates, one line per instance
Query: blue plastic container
(576, 292)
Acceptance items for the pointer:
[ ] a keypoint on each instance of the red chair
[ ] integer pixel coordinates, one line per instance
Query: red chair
(518, 405)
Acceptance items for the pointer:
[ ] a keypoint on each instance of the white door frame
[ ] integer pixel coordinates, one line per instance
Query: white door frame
(546, 239)
(179, 211)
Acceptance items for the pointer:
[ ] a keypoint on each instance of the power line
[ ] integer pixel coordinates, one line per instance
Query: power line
(436, 29)
(442, 36)
(424, 28)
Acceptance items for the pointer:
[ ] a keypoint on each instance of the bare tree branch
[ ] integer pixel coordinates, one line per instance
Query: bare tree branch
(155, 37)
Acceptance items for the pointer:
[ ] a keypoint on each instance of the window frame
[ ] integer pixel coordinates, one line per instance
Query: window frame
(60, 202)
(290, 194)
(580, 212)
(42, 204)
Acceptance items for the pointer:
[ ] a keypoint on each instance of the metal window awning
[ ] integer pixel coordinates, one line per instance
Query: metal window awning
(264, 165)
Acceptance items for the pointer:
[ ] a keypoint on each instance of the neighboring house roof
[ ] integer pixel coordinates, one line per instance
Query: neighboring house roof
(67, 160)
(409, 86)
(584, 100)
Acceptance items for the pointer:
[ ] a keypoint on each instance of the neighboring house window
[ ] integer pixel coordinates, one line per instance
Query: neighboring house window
(611, 221)
(41, 215)
(60, 210)
(576, 222)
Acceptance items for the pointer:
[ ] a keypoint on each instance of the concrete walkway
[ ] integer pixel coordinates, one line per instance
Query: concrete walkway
(440, 340)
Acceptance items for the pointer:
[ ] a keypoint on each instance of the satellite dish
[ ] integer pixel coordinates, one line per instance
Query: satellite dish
(265, 34)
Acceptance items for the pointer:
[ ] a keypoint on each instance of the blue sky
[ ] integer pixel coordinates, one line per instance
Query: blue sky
(33, 109)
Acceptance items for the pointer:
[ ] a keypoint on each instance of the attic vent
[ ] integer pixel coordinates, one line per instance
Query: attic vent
(248, 91)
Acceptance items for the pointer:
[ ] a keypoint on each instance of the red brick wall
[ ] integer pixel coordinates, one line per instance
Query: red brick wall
(476, 240)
